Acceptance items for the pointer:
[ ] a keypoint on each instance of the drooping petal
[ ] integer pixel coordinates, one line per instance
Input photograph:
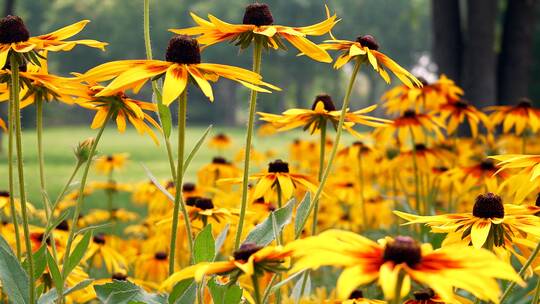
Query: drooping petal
(175, 83)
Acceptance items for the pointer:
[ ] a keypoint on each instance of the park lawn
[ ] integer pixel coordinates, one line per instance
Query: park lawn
(60, 141)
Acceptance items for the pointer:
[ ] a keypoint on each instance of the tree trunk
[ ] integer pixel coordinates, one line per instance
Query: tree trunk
(479, 59)
(515, 58)
(447, 41)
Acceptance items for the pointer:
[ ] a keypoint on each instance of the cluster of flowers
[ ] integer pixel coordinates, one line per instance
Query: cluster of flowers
(415, 167)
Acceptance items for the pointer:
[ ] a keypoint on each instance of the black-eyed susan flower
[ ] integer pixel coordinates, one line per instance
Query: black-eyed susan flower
(250, 259)
(411, 125)
(152, 267)
(488, 225)
(428, 296)
(182, 63)
(366, 261)
(109, 163)
(520, 117)
(525, 169)
(452, 114)
(322, 112)
(15, 37)
(258, 23)
(366, 49)
(121, 108)
(219, 168)
(103, 252)
(220, 142)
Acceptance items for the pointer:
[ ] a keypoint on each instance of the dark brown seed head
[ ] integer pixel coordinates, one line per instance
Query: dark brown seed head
(110, 158)
(204, 203)
(487, 165)
(524, 102)
(357, 294)
(99, 239)
(245, 251)
(420, 147)
(4, 193)
(160, 256)
(409, 114)
(403, 249)
(461, 104)
(488, 205)
(258, 14)
(422, 80)
(326, 100)
(119, 276)
(192, 200)
(278, 166)
(13, 30)
(368, 41)
(219, 160)
(188, 187)
(183, 49)
(424, 295)
(63, 226)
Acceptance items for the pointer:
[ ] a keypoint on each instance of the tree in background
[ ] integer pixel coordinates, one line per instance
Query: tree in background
(486, 46)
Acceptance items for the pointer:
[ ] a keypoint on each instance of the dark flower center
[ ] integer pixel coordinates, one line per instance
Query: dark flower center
(161, 256)
(278, 166)
(40, 237)
(422, 80)
(204, 203)
(260, 200)
(487, 165)
(488, 205)
(357, 294)
(409, 114)
(192, 200)
(4, 193)
(349, 185)
(119, 276)
(64, 226)
(170, 185)
(368, 41)
(326, 100)
(420, 147)
(258, 14)
(221, 136)
(99, 239)
(12, 30)
(524, 103)
(245, 251)
(461, 104)
(425, 294)
(537, 202)
(188, 187)
(441, 169)
(296, 141)
(403, 249)
(110, 158)
(219, 160)
(183, 49)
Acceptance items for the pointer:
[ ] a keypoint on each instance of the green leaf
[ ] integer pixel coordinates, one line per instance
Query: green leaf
(14, 279)
(52, 294)
(296, 293)
(125, 292)
(183, 292)
(301, 214)
(225, 294)
(78, 253)
(196, 148)
(165, 118)
(40, 261)
(54, 271)
(204, 246)
(264, 233)
(285, 281)
(220, 240)
(56, 222)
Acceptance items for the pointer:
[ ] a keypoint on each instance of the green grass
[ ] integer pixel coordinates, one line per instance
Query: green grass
(59, 159)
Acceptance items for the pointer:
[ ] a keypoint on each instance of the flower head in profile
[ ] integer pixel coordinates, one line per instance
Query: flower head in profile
(249, 259)
(182, 64)
(366, 49)
(412, 124)
(455, 112)
(15, 37)
(366, 261)
(108, 163)
(220, 142)
(121, 108)
(491, 224)
(258, 24)
(322, 111)
(521, 116)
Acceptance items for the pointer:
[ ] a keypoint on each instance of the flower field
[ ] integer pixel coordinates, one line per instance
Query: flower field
(421, 197)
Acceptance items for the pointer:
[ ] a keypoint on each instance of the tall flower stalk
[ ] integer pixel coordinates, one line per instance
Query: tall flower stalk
(257, 58)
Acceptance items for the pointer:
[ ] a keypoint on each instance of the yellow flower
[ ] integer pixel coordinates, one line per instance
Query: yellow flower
(220, 142)
(109, 163)
(525, 181)
(365, 48)
(454, 113)
(322, 112)
(152, 267)
(3, 125)
(366, 261)
(183, 62)
(258, 24)
(410, 124)
(14, 36)
(247, 260)
(488, 225)
(120, 107)
(520, 116)
(102, 251)
(208, 175)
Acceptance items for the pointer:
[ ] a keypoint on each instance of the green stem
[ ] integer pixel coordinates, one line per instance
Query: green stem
(257, 58)
(20, 168)
(178, 199)
(66, 186)
(321, 172)
(536, 292)
(13, 209)
(397, 290)
(256, 290)
(155, 89)
(520, 273)
(80, 198)
(336, 143)
(41, 160)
